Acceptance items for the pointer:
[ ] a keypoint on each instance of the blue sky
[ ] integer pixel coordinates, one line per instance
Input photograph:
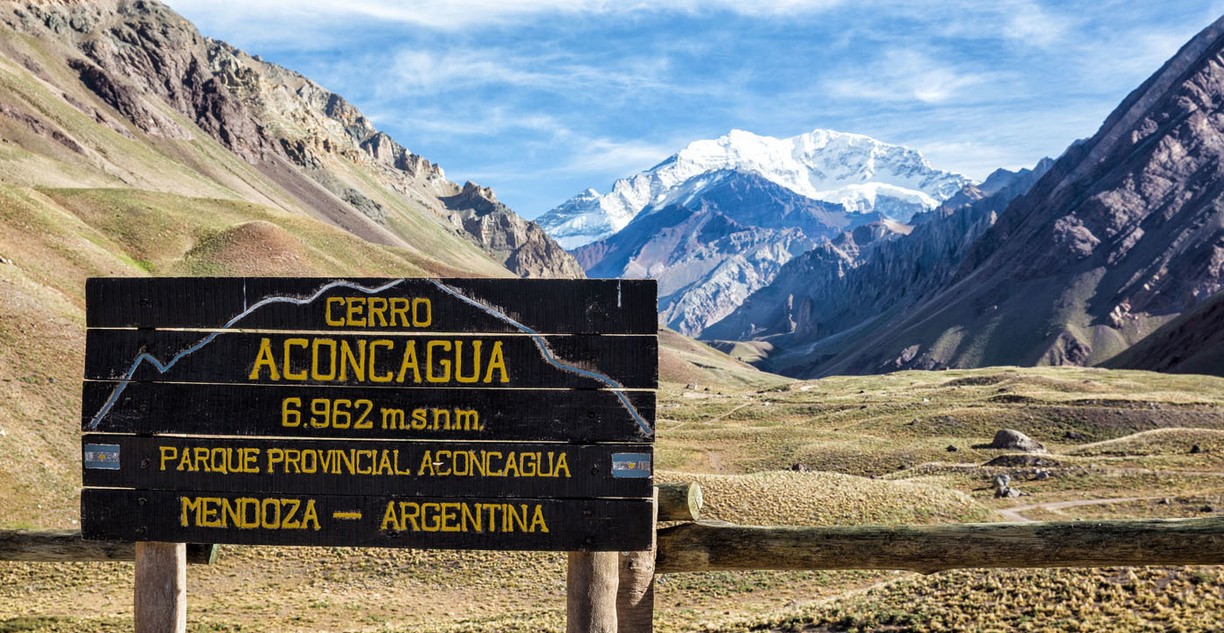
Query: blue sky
(541, 99)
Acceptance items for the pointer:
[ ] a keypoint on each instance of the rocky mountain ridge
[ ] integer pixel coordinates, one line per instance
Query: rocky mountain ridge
(1124, 233)
(860, 275)
(714, 240)
(150, 68)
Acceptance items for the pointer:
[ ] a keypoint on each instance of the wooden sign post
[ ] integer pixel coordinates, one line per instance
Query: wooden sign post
(424, 413)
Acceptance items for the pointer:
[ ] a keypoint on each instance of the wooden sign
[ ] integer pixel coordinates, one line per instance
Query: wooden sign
(212, 405)
(590, 415)
(359, 467)
(544, 306)
(367, 521)
(505, 361)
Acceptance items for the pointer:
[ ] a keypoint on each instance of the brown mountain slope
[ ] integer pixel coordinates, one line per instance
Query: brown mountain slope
(1193, 343)
(1124, 233)
(121, 93)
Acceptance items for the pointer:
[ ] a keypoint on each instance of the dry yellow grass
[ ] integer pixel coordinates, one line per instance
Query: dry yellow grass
(738, 443)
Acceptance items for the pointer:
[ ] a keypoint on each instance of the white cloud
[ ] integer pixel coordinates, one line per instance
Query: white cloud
(902, 75)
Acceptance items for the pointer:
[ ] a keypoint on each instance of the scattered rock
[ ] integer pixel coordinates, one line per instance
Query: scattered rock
(1074, 435)
(1013, 440)
(1207, 508)
(1164, 502)
(692, 386)
(1003, 489)
(1041, 475)
(951, 449)
(800, 468)
(1196, 449)
(5, 260)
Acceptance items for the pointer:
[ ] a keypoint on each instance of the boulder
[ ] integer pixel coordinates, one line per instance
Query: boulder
(1013, 440)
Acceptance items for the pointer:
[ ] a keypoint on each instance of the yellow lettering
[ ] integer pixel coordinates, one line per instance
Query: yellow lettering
(377, 309)
(496, 361)
(291, 508)
(468, 420)
(191, 505)
(450, 512)
(410, 361)
(537, 520)
(310, 516)
(412, 517)
(429, 517)
(315, 372)
(209, 515)
(391, 519)
(427, 464)
(399, 311)
(354, 314)
(419, 319)
(444, 363)
(167, 456)
(264, 358)
(459, 362)
(374, 345)
(337, 301)
(264, 512)
(358, 363)
(291, 343)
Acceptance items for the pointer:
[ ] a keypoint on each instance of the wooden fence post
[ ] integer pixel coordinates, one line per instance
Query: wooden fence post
(591, 581)
(635, 596)
(161, 587)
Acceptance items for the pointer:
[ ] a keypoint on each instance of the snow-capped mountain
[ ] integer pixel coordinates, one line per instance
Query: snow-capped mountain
(714, 240)
(859, 173)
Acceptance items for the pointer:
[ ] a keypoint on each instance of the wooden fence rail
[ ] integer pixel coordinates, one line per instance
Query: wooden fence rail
(716, 546)
(64, 546)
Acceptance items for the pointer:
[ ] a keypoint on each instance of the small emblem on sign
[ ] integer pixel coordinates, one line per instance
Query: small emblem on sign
(102, 456)
(630, 465)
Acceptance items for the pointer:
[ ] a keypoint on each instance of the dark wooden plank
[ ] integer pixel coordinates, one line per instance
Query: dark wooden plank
(546, 306)
(448, 414)
(507, 361)
(67, 546)
(367, 467)
(330, 520)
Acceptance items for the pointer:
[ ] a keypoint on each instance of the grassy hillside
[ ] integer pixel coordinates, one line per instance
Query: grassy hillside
(1119, 446)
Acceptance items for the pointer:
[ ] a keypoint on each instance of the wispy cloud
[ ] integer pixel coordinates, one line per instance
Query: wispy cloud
(905, 75)
(543, 98)
(418, 71)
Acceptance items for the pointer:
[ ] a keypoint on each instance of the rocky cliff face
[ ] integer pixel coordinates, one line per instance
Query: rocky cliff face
(849, 281)
(523, 247)
(1124, 232)
(149, 67)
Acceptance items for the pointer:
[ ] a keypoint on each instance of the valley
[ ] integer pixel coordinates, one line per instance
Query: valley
(875, 450)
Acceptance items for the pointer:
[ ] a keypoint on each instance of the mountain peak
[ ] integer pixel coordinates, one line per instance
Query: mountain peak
(860, 173)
